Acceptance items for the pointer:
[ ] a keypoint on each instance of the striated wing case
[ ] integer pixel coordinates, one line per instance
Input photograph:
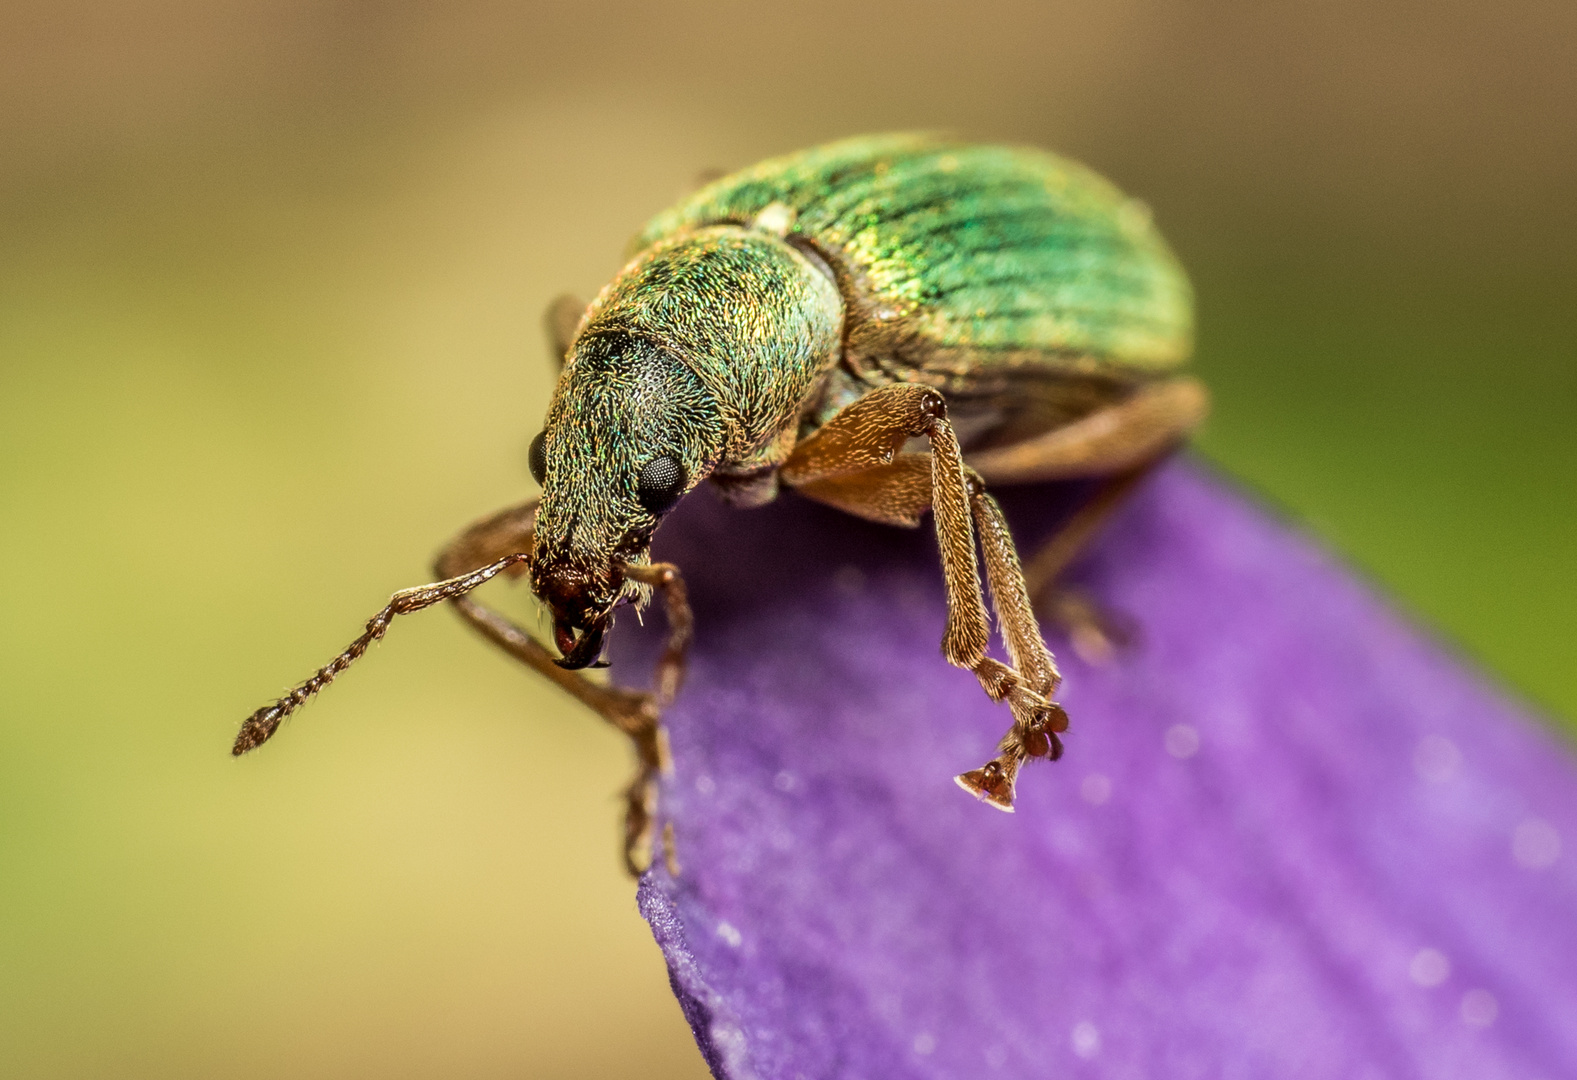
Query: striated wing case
(971, 265)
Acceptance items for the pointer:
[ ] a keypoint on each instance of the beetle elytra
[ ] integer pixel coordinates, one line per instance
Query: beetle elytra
(886, 324)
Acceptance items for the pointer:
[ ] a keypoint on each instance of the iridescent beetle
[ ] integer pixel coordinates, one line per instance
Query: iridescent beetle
(884, 324)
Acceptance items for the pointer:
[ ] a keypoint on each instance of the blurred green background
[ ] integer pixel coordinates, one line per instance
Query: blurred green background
(271, 276)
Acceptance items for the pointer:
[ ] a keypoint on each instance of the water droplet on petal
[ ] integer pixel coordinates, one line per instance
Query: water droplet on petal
(849, 580)
(1479, 1008)
(1182, 741)
(1436, 759)
(1429, 968)
(1086, 1039)
(1535, 844)
(1095, 789)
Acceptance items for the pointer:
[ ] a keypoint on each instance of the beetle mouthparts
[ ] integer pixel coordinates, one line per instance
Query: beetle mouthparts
(578, 653)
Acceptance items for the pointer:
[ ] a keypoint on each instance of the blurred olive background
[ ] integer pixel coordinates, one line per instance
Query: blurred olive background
(271, 276)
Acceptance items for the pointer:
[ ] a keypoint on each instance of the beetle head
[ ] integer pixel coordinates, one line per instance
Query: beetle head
(630, 430)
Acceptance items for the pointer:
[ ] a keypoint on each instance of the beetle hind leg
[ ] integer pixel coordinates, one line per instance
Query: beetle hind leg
(1097, 634)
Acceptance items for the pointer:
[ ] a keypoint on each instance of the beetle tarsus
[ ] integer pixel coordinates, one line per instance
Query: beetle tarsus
(1027, 740)
(992, 783)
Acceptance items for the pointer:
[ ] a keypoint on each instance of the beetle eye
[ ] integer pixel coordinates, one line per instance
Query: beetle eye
(660, 484)
(537, 457)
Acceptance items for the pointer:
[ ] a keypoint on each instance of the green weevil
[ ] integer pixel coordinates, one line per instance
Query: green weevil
(885, 324)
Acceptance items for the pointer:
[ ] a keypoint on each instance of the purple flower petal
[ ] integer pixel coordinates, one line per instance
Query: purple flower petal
(1291, 836)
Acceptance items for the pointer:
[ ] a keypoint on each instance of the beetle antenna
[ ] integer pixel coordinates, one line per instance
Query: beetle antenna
(262, 724)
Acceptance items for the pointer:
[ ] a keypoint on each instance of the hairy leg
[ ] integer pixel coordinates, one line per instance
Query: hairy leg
(867, 434)
(1097, 634)
(1121, 443)
(853, 462)
(635, 713)
(1035, 732)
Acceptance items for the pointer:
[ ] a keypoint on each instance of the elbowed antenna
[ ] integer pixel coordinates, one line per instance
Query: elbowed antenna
(262, 724)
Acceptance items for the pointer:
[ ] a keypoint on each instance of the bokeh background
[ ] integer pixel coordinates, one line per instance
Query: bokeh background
(271, 277)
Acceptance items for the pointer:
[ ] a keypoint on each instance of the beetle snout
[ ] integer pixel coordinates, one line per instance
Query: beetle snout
(582, 608)
(582, 651)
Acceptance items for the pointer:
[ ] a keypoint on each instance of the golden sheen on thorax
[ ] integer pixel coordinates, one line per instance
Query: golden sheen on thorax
(890, 325)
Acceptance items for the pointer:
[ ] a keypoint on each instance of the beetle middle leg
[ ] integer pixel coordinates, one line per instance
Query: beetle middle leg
(636, 713)
(1121, 444)
(854, 462)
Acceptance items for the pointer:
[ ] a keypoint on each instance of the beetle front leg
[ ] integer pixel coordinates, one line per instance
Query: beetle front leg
(636, 713)
(512, 530)
(666, 579)
(853, 462)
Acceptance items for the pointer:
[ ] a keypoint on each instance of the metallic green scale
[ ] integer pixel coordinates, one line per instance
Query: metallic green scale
(750, 316)
(969, 255)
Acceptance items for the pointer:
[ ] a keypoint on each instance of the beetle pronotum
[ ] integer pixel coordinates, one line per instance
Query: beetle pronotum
(887, 325)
